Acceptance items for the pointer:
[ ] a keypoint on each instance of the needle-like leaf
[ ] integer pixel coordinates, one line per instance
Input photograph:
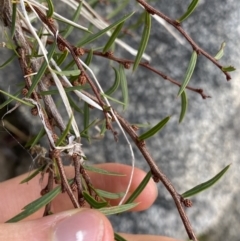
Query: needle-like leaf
(154, 130)
(228, 68)
(189, 72)
(118, 237)
(35, 139)
(14, 15)
(144, 39)
(88, 60)
(220, 52)
(75, 18)
(41, 71)
(124, 86)
(117, 209)
(116, 83)
(189, 11)
(109, 195)
(203, 186)
(74, 72)
(92, 202)
(102, 171)
(183, 106)
(62, 57)
(34, 174)
(37, 204)
(93, 37)
(140, 188)
(61, 139)
(50, 8)
(16, 98)
(9, 100)
(113, 37)
(8, 61)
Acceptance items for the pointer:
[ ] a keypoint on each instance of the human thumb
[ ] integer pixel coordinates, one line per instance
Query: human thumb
(74, 225)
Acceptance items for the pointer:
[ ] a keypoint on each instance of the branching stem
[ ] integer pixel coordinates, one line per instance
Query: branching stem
(177, 26)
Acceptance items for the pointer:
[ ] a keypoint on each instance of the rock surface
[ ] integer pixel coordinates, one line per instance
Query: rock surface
(189, 153)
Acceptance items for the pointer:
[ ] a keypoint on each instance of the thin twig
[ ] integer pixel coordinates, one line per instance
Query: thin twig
(159, 175)
(77, 166)
(56, 155)
(149, 67)
(177, 25)
(48, 188)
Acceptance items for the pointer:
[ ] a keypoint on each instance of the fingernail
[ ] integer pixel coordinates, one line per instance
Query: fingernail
(85, 225)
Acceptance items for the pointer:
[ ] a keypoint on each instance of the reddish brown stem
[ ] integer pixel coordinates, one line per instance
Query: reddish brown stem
(159, 175)
(177, 25)
(149, 67)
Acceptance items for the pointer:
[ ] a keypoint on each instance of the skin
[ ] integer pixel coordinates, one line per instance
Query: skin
(15, 196)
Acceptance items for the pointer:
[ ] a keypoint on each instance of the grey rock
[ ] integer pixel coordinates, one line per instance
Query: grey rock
(208, 138)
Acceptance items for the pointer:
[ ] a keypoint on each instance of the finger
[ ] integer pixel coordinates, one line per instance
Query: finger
(141, 237)
(84, 225)
(16, 195)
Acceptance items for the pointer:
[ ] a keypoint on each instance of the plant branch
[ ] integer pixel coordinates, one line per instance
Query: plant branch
(65, 185)
(72, 50)
(159, 175)
(149, 67)
(177, 26)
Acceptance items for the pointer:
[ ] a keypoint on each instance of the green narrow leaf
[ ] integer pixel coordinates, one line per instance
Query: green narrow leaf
(189, 11)
(118, 237)
(10, 44)
(144, 39)
(93, 37)
(17, 99)
(124, 86)
(116, 83)
(113, 99)
(74, 105)
(203, 186)
(74, 72)
(93, 123)
(41, 71)
(86, 118)
(140, 188)
(228, 68)
(220, 52)
(88, 60)
(117, 209)
(189, 72)
(37, 204)
(109, 195)
(102, 171)
(155, 129)
(70, 28)
(8, 61)
(103, 128)
(92, 202)
(61, 139)
(70, 65)
(113, 37)
(35, 139)
(67, 89)
(50, 8)
(62, 58)
(184, 105)
(8, 101)
(34, 174)
(14, 14)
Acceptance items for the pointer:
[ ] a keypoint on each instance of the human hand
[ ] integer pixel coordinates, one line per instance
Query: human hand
(70, 225)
